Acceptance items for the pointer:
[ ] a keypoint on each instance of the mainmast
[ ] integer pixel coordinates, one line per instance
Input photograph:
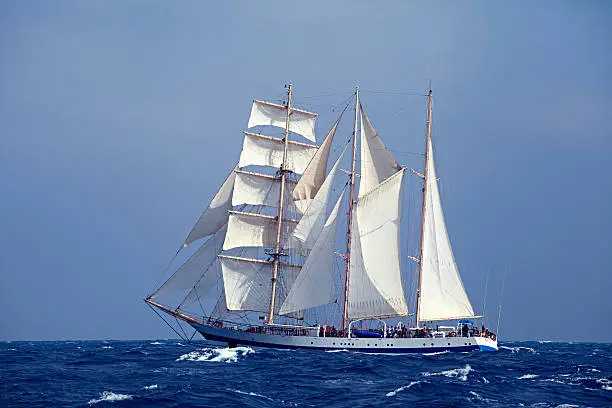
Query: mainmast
(350, 214)
(427, 148)
(283, 173)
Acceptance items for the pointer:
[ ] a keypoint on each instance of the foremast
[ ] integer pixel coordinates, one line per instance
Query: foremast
(423, 208)
(283, 173)
(350, 214)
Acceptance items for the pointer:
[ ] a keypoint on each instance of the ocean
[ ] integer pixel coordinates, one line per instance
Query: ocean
(171, 373)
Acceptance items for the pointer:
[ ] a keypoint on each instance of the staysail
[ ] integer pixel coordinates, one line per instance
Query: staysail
(442, 295)
(377, 164)
(308, 229)
(315, 285)
(375, 284)
(215, 216)
(314, 175)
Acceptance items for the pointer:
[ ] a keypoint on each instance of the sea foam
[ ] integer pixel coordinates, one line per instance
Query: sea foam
(400, 389)
(459, 373)
(223, 355)
(527, 377)
(110, 397)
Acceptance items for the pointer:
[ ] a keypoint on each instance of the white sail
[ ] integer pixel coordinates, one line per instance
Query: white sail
(260, 189)
(248, 285)
(196, 268)
(442, 293)
(308, 229)
(254, 230)
(375, 284)
(209, 283)
(259, 150)
(315, 284)
(215, 216)
(377, 164)
(314, 175)
(271, 114)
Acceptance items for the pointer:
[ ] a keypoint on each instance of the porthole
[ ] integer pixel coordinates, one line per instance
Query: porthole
(432, 344)
(311, 342)
(423, 343)
(335, 343)
(449, 344)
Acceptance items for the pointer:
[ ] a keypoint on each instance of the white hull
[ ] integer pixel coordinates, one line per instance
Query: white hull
(369, 345)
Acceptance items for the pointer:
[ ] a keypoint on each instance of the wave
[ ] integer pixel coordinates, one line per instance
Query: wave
(337, 351)
(459, 373)
(150, 387)
(527, 377)
(400, 389)
(518, 348)
(107, 347)
(156, 343)
(252, 394)
(110, 397)
(223, 355)
(485, 380)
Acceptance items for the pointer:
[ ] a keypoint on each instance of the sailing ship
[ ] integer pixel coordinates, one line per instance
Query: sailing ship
(279, 266)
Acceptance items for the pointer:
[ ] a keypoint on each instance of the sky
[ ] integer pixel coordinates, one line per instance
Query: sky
(120, 119)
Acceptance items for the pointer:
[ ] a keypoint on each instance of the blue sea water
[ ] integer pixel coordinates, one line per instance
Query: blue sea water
(170, 373)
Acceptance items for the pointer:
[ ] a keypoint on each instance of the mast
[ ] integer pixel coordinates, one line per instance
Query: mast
(427, 146)
(277, 248)
(350, 214)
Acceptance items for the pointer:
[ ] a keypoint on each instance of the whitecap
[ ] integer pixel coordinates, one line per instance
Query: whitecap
(150, 387)
(110, 396)
(552, 380)
(527, 377)
(594, 370)
(400, 389)
(224, 355)
(436, 353)
(107, 347)
(518, 348)
(156, 343)
(567, 406)
(545, 341)
(460, 373)
(252, 394)
(606, 387)
(485, 380)
(337, 351)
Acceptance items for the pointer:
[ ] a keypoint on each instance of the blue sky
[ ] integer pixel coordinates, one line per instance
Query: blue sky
(119, 119)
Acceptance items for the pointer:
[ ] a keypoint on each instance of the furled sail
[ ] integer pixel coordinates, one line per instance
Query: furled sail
(260, 150)
(442, 293)
(271, 114)
(308, 229)
(215, 216)
(315, 284)
(377, 164)
(375, 284)
(255, 230)
(314, 175)
(198, 268)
